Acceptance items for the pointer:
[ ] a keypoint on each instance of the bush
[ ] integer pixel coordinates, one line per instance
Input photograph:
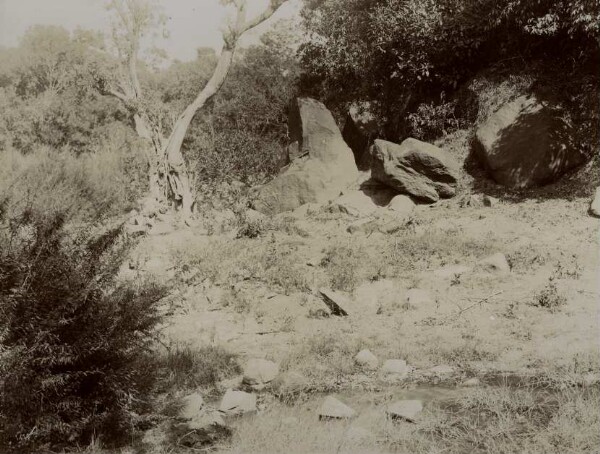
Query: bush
(74, 347)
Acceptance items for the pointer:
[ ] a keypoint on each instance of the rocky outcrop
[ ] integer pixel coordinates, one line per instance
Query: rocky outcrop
(595, 205)
(324, 167)
(416, 168)
(359, 133)
(526, 143)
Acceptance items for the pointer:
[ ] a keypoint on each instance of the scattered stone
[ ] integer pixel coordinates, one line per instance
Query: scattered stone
(407, 410)
(192, 406)
(496, 263)
(332, 408)
(334, 301)
(526, 143)
(326, 166)
(402, 206)
(238, 403)
(416, 297)
(471, 383)
(367, 359)
(395, 367)
(415, 168)
(355, 203)
(451, 271)
(595, 205)
(260, 372)
(359, 132)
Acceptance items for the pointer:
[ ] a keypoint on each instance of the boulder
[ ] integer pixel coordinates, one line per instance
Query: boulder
(260, 372)
(595, 205)
(367, 359)
(419, 169)
(526, 143)
(334, 409)
(324, 168)
(471, 382)
(360, 129)
(355, 203)
(405, 409)
(495, 263)
(238, 403)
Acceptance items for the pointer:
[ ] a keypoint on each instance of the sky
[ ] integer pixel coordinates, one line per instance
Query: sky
(192, 23)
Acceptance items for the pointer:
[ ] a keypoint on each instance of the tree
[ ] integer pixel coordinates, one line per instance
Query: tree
(169, 176)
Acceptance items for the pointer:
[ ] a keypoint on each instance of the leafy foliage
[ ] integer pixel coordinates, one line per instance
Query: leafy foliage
(73, 346)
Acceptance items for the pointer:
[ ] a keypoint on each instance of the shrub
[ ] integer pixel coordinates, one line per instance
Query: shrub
(550, 298)
(74, 346)
(186, 367)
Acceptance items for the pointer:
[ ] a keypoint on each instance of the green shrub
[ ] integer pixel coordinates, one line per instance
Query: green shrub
(74, 346)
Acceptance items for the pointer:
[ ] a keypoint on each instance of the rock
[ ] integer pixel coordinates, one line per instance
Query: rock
(365, 225)
(405, 409)
(201, 432)
(402, 205)
(367, 359)
(451, 271)
(489, 201)
(334, 409)
(595, 205)
(192, 406)
(325, 169)
(260, 372)
(526, 143)
(354, 203)
(360, 129)
(238, 403)
(471, 383)
(419, 169)
(396, 367)
(417, 297)
(334, 301)
(290, 383)
(495, 263)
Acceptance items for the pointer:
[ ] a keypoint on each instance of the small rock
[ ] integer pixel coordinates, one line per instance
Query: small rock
(192, 406)
(489, 201)
(595, 205)
(395, 367)
(355, 203)
(238, 403)
(334, 301)
(450, 271)
(496, 263)
(471, 382)
(334, 409)
(290, 383)
(260, 371)
(405, 409)
(402, 205)
(367, 359)
(417, 297)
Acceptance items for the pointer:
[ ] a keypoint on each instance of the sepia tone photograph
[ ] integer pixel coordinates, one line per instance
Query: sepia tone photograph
(299, 226)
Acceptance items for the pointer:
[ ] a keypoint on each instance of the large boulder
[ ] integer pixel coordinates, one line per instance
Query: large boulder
(417, 168)
(360, 130)
(324, 167)
(526, 143)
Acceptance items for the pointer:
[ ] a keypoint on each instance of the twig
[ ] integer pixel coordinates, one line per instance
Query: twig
(471, 306)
